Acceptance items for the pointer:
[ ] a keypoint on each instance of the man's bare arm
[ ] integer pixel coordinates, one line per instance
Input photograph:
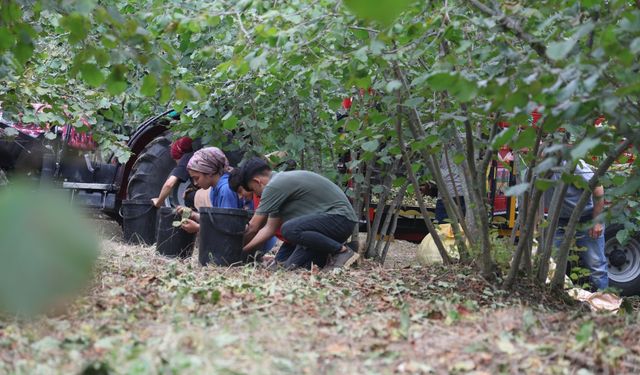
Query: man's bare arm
(598, 207)
(168, 186)
(256, 222)
(273, 223)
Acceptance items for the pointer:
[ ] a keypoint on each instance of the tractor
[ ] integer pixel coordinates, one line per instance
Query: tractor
(65, 158)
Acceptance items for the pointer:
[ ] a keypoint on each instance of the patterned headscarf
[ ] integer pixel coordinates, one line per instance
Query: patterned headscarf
(180, 147)
(209, 160)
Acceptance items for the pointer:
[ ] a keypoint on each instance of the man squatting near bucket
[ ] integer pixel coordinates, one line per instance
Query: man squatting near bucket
(251, 201)
(181, 151)
(314, 213)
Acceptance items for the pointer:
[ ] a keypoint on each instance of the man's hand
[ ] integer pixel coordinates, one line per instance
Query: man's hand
(273, 223)
(156, 202)
(596, 231)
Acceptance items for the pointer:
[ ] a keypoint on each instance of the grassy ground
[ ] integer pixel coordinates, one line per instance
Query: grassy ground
(145, 314)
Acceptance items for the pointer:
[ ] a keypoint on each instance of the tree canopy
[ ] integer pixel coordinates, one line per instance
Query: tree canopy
(422, 74)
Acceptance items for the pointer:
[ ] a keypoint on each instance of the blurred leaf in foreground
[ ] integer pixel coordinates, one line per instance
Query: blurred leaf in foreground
(47, 250)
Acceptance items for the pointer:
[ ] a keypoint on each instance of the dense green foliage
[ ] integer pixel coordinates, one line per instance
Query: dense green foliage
(440, 72)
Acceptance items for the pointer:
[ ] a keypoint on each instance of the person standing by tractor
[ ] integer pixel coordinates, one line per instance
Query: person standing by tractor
(314, 213)
(590, 232)
(181, 151)
(453, 177)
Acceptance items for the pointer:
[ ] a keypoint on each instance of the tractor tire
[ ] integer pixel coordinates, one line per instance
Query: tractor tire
(151, 169)
(624, 262)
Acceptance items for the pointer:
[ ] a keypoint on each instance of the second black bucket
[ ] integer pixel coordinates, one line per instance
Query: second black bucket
(173, 241)
(221, 231)
(138, 221)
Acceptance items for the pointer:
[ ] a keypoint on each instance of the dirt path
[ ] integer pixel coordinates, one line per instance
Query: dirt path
(147, 314)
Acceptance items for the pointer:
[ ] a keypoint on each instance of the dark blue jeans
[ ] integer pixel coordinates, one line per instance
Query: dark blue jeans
(441, 212)
(593, 257)
(311, 238)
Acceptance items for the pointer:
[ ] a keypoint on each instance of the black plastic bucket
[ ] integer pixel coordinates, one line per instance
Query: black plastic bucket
(221, 231)
(171, 241)
(138, 221)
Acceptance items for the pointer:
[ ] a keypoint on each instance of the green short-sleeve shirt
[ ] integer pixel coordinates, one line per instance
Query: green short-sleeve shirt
(298, 193)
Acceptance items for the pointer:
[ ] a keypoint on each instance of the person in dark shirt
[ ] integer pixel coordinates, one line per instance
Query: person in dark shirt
(181, 151)
(314, 213)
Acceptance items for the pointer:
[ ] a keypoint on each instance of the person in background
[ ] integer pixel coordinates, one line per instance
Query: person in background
(209, 168)
(314, 213)
(453, 177)
(181, 151)
(590, 232)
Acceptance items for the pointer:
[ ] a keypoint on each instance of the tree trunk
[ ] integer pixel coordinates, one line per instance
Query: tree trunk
(423, 210)
(392, 217)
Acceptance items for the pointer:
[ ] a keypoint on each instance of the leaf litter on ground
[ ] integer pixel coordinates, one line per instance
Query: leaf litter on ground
(149, 314)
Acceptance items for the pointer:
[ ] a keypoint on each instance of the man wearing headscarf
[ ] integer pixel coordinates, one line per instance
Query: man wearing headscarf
(181, 151)
(209, 167)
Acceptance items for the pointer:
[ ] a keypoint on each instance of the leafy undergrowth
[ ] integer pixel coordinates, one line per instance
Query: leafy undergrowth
(146, 314)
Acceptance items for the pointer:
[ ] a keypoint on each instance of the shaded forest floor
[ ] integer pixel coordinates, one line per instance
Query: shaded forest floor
(147, 314)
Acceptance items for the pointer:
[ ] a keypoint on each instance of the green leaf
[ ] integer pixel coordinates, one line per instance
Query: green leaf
(77, 25)
(517, 190)
(527, 138)
(23, 50)
(92, 74)
(590, 3)
(579, 151)
(560, 50)
(544, 184)
(383, 11)
(352, 125)
(503, 137)
(165, 94)
(414, 102)
(635, 46)
(230, 123)
(458, 158)
(116, 87)
(116, 82)
(622, 236)
(361, 54)
(149, 85)
(585, 333)
(58, 255)
(6, 39)
(85, 6)
(464, 90)
(442, 81)
(371, 146)
(393, 85)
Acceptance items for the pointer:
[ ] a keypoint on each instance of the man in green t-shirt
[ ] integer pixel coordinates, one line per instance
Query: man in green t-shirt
(314, 213)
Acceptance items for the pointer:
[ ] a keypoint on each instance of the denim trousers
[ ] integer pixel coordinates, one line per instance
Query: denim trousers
(441, 211)
(311, 238)
(592, 256)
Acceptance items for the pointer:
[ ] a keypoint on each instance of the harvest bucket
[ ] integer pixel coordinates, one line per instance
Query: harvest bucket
(221, 231)
(172, 241)
(138, 221)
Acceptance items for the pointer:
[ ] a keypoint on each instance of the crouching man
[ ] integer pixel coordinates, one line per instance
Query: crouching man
(314, 213)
